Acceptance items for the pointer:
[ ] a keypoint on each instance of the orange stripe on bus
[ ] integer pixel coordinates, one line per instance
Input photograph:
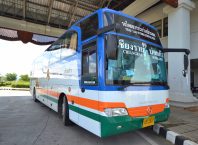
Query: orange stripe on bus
(48, 92)
(53, 93)
(93, 104)
(100, 106)
(41, 91)
(145, 110)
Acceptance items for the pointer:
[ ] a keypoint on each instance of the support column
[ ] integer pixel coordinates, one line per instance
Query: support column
(179, 37)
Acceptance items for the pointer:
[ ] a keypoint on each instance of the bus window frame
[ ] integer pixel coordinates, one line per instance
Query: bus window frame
(94, 40)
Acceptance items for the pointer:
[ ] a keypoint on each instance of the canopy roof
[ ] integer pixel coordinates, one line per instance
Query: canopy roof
(56, 13)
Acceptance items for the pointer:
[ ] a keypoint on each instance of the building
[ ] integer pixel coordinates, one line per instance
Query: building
(178, 28)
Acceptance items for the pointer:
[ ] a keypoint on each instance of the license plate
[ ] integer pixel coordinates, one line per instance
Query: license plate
(148, 121)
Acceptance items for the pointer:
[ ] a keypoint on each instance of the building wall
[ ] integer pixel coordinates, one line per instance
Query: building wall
(153, 14)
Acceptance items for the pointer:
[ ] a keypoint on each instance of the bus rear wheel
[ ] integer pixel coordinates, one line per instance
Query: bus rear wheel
(65, 112)
(34, 96)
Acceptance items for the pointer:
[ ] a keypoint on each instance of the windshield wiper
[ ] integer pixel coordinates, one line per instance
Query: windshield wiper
(159, 83)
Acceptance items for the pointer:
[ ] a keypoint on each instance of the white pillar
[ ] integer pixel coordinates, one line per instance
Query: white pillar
(179, 37)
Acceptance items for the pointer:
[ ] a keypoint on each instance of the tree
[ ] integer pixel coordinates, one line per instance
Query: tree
(11, 76)
(24, 78)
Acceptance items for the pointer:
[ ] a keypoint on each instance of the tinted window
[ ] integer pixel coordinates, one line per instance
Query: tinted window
(67, 40)
(132, 27)
(69, 44)
(165, 28)
(89, 27)
(65, 46)
(89, 64)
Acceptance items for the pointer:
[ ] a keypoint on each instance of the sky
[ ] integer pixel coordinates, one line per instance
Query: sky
(17, 57)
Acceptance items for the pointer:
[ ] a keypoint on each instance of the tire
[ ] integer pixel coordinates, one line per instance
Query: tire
(34, 96)
(65, 112)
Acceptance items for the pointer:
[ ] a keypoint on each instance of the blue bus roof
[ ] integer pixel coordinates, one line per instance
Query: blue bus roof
(115, 12)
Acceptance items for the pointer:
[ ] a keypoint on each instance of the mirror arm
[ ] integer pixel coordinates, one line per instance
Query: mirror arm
(187, 51)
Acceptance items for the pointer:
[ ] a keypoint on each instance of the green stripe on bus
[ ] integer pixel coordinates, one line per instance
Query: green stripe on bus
(49, 98)
(86, 113)
(53, 99)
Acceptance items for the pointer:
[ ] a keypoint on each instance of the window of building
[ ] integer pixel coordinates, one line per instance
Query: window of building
(192, 79)
(162, 27)
(158, 25)
(89, 64)
(165, 27)
(89, 27)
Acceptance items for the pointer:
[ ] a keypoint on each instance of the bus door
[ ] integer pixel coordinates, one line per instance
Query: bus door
(88, 93)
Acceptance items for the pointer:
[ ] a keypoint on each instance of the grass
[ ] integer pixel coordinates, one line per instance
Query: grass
(5, 84)
(15, 84)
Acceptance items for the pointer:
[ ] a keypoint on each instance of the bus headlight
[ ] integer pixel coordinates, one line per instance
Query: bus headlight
(167, 105)
(110, 112)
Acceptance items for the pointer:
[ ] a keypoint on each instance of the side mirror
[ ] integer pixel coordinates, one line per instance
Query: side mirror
(186, 63)
(111, 46)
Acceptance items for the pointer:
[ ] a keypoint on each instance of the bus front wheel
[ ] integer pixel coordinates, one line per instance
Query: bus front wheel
(65, 112)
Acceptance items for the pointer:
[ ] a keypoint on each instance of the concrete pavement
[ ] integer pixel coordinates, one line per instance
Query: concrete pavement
(14, 89)
(182, 123)
(11, 93)
(24, 122)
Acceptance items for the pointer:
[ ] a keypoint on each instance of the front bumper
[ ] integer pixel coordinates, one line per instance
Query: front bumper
(120, 124)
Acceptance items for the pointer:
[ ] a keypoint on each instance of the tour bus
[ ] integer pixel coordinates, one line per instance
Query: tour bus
(106, 73)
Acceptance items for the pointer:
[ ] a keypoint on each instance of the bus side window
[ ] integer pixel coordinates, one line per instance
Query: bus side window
(69, 44)
(89, 64)
(54, 50)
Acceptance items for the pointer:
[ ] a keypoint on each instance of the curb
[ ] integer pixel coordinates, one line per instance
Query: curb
(16, 89)
(171, 136)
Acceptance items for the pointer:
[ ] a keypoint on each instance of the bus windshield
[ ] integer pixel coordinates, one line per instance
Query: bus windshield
(137, 63)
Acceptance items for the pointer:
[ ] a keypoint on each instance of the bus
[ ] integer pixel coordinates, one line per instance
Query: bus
(106, 73)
